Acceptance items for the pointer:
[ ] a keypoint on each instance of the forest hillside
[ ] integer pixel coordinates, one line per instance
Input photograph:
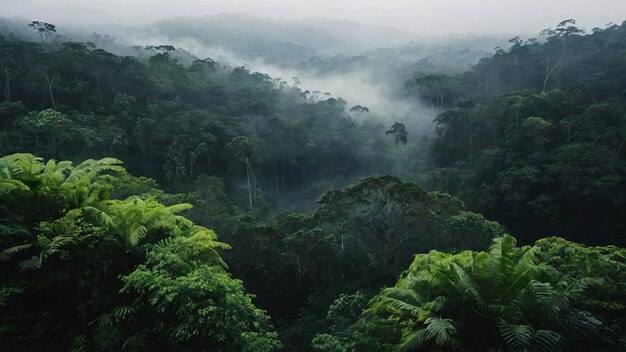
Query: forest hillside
(154, 199)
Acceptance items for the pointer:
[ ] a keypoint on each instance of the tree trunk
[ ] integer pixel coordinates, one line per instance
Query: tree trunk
(50, 85)
(253, 177)
(7, 87)
(99, 91)
(43, 45)
(341, 242)
(558, 62)
(283, 166)
(248, 180)
(276, 181)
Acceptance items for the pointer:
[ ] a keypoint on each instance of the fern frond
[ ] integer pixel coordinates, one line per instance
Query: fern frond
(395, 305)
(442, 331)
(412, 341)
(10, 252)
(468, 286)
(177, 208)
(137, 235)
(101, 217)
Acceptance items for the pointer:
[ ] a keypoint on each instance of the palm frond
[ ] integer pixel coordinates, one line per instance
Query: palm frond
(583, 326)
(546, 340)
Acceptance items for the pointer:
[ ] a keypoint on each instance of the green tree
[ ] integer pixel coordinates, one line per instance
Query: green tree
(195, 306)
(44, 30)
(53, 125)
(394, 213)
(399, 133)
(242, 148)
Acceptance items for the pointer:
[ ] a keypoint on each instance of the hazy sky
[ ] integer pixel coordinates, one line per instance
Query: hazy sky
(420, 16)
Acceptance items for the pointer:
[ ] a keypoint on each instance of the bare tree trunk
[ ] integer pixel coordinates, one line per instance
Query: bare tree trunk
(342, 243)
(276, 181)
(569, 139)
(7, 86)
(99, 91)
(248, 180)
(619, 151)
(50, 85)
(549, 72)
(43, 45)
(251, 173)
(558, 62)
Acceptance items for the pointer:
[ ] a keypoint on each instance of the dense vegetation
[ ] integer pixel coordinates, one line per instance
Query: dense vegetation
(173, 122)
(535, 139)
(541, 298)
(119, 274)
(93, 257)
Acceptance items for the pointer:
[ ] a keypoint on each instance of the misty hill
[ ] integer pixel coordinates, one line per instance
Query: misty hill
(325, 55)
(350, 230)
(322, 45)
(160, 115)
(564, 58)
(534, 135)
(279, 41)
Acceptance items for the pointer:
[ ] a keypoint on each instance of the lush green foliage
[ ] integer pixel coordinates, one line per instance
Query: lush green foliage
(93, 258)
(86, 272)
(173, 122)
(541, 149)
(511, 298)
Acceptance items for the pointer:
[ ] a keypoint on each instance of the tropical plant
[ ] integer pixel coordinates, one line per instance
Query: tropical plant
(93, 273)
(504, 298)
(197, 306)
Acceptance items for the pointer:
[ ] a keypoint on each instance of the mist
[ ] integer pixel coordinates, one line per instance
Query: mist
(307, 176)
(296, 40)
(422, 17)
(364, 65)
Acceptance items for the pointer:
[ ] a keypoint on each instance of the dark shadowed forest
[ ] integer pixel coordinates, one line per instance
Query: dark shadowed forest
(334, 186)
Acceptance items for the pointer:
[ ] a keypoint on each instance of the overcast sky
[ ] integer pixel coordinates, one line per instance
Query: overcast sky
(419, 16)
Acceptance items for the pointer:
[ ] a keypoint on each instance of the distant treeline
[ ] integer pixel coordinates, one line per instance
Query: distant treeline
(534, 135)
